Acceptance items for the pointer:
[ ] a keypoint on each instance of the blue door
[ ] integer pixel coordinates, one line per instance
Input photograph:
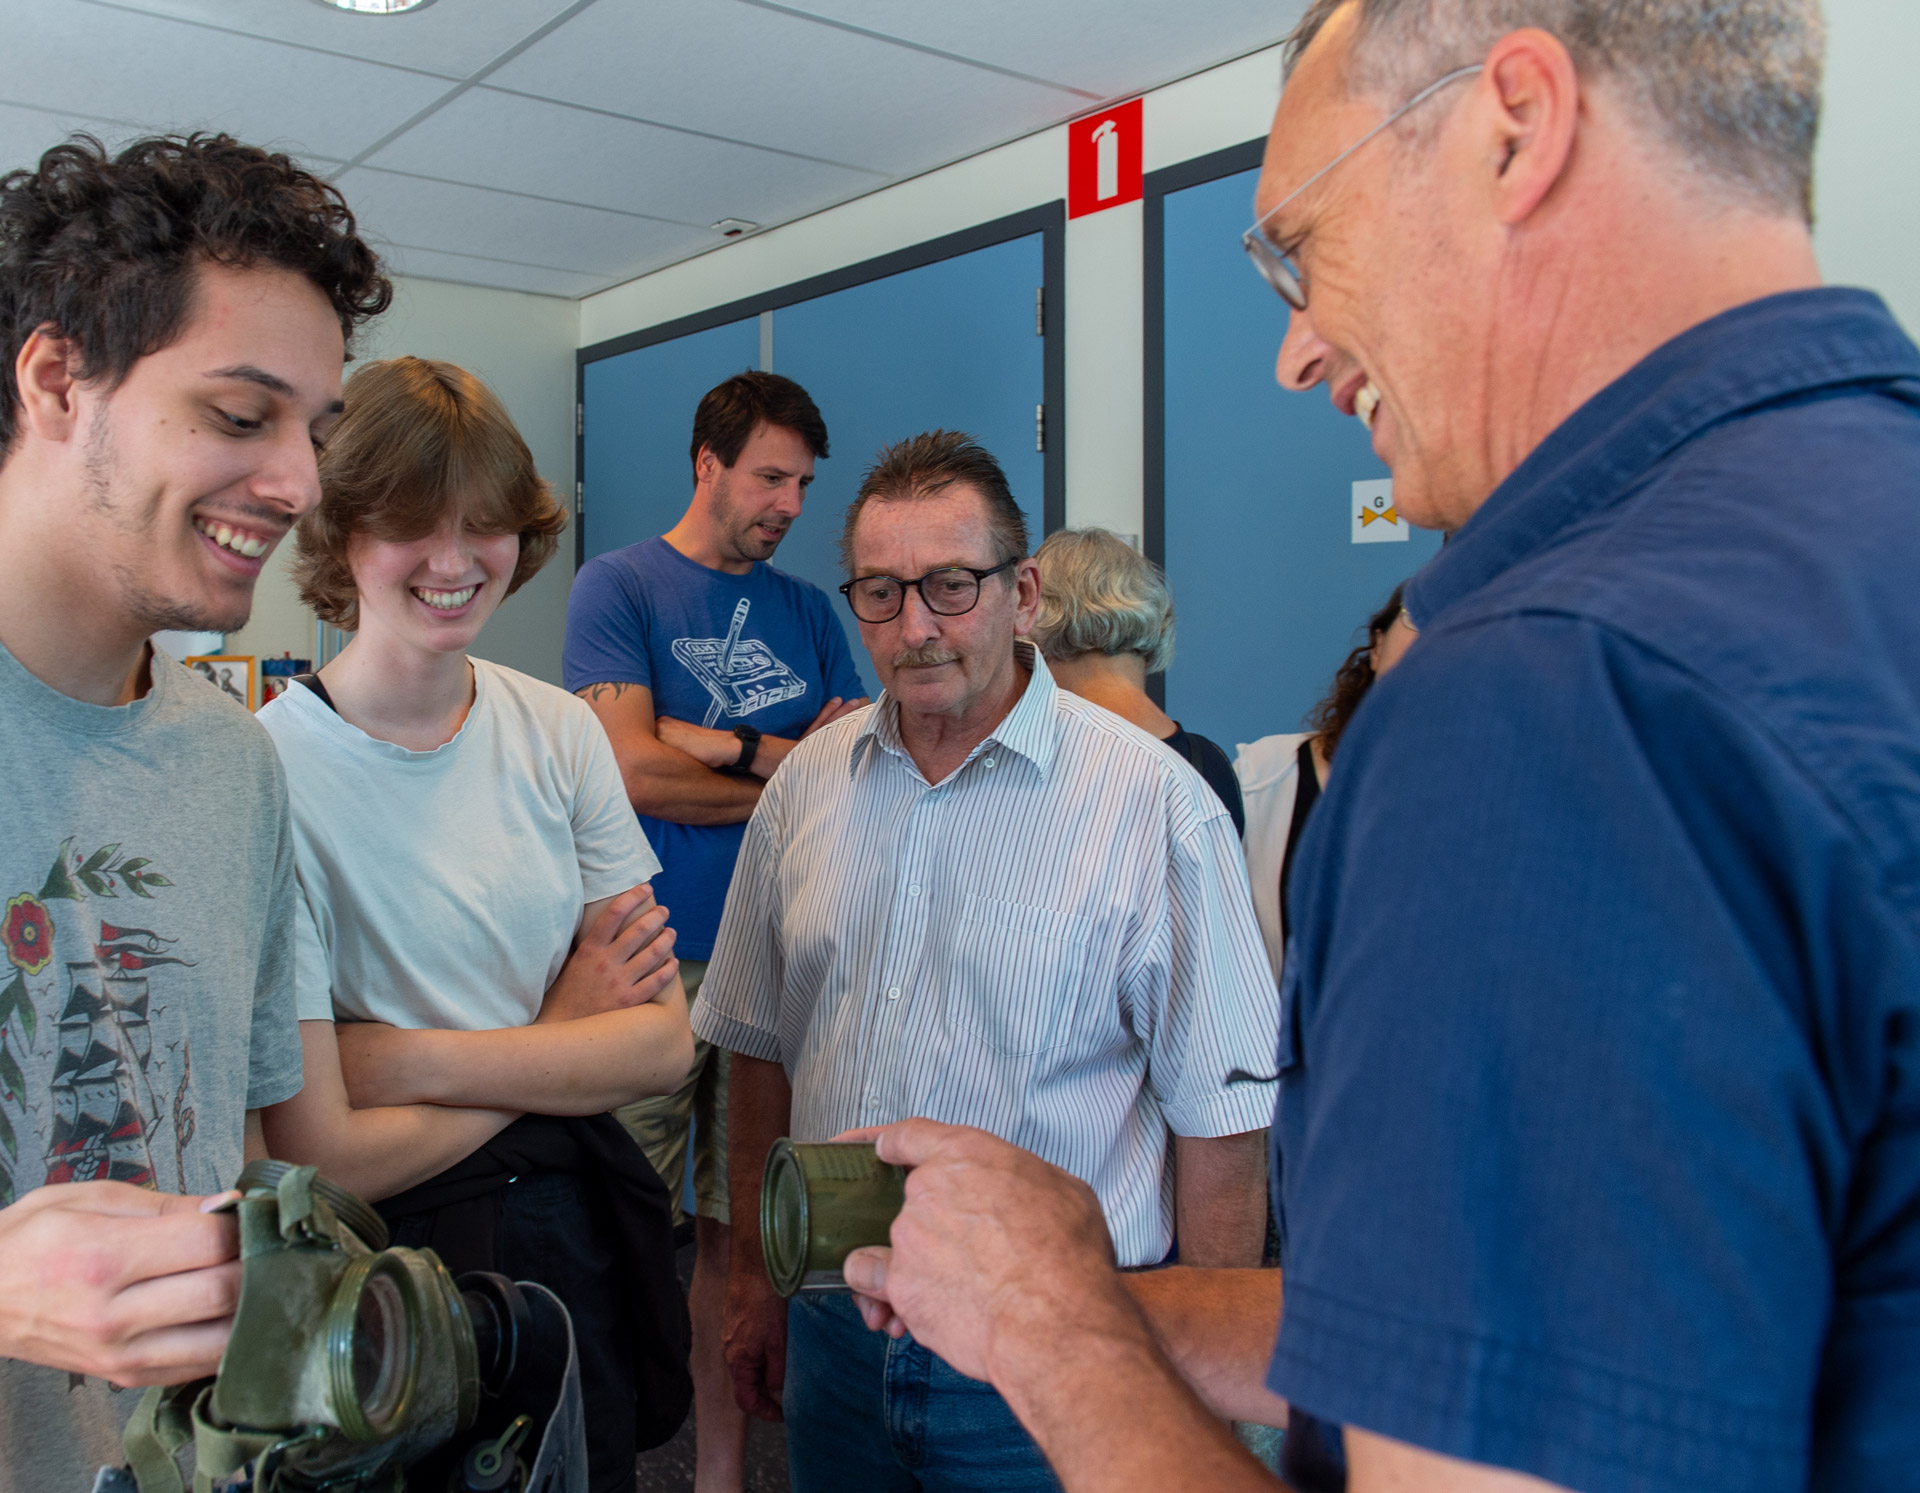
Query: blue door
(950, 345)
(1273, 568)
(637, 420)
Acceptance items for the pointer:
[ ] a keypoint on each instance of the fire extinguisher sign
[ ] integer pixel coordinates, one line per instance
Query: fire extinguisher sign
(1103, 160)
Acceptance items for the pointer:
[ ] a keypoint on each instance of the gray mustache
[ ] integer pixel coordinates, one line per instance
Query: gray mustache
(924, 657)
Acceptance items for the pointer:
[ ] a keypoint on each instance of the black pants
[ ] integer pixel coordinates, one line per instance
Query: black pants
(573, 1204)
(547, 1232)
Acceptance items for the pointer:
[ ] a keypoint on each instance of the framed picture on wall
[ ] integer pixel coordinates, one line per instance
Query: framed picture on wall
(232, 673)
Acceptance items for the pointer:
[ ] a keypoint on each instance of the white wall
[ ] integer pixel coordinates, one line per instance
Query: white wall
(1867, 170)
(523, 346)
(1220, 107)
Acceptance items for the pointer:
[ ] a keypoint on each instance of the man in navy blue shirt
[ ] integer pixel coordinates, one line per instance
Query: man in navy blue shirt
(1597, 1151)
(705, 664)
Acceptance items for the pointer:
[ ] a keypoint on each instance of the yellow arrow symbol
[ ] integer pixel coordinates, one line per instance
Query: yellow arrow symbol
(1368, 515)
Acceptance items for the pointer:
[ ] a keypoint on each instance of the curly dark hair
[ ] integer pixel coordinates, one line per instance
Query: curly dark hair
(104, 248)
(1355, 677)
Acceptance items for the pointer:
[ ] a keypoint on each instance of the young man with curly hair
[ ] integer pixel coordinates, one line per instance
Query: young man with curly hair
(174, 320)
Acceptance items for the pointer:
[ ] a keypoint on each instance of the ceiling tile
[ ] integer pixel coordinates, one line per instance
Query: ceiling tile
(26, 133)
(1110, 47)
(473, 220)
(750, 73)
(525, 145)
(454, 38)
(466, 269)
(168, 76)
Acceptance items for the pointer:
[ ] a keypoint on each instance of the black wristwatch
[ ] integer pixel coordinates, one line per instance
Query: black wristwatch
(749, 748)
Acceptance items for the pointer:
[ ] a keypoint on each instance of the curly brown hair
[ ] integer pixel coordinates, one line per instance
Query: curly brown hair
(416, 438)
(1355, 677)
(104, 250)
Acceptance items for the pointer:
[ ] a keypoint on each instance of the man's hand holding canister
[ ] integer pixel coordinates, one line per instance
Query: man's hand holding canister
(1002, 1264)
(997, 1258)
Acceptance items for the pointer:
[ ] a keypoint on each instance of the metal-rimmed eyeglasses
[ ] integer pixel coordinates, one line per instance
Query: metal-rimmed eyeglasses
(1277, 267)
(950, 591)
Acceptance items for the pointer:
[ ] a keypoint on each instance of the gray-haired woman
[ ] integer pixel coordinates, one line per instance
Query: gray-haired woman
(1105, 624)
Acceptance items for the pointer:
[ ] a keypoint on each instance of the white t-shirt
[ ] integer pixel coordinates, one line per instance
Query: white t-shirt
(1268, 770)
(442, 889)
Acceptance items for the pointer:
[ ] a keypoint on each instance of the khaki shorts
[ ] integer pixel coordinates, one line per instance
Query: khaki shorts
(660, 1124)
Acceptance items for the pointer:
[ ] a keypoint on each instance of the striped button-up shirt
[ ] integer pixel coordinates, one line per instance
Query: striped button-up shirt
(1055, 943)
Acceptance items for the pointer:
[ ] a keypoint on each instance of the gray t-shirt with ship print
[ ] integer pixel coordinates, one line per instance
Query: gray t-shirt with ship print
(146, 980)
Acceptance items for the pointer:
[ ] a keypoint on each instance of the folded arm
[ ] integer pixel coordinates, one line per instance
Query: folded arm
(661, 780)
(612, 1028)
(377, 1151)
(582, 1067)
(721, 749)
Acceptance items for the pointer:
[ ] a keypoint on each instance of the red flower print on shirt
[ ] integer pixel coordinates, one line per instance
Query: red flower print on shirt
(28, 933)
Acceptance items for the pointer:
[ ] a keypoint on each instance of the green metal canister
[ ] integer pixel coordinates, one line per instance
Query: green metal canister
(820, 1201)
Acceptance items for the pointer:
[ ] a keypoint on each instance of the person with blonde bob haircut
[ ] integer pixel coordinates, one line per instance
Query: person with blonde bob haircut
(1105, 624)
(481, 971)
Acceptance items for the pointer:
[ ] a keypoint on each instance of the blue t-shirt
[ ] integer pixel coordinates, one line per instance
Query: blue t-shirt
(1597, 1151)
(762, 649)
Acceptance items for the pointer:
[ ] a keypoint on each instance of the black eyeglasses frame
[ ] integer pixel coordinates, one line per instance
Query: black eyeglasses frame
(979, 579)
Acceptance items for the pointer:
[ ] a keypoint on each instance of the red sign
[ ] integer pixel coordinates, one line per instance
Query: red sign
(1103, 160)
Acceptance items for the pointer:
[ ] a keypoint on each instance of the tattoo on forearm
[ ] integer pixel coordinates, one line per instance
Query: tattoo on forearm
(594, 693)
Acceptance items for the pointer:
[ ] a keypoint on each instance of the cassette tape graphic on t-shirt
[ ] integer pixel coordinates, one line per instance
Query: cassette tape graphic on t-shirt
(741, 674)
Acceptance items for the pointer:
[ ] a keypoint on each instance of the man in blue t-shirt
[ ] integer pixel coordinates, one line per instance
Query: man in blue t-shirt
(706, 665)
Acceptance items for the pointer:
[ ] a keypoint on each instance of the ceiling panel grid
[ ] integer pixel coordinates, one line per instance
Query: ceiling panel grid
(563, 146)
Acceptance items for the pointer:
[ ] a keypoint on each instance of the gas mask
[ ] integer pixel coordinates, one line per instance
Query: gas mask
(353, 1367)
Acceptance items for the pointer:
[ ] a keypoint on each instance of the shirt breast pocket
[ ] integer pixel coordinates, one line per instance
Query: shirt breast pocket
(1018, 970)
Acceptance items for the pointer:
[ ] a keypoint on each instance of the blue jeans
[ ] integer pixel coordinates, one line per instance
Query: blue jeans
(868, 1414)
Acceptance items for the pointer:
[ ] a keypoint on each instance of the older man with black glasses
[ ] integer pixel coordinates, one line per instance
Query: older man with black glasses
(1599, 1125)
(985, 900)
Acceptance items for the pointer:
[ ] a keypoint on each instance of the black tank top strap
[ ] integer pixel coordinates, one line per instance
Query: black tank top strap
(312, 682)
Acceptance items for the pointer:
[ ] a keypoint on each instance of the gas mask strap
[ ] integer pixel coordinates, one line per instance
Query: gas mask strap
(162, 1424)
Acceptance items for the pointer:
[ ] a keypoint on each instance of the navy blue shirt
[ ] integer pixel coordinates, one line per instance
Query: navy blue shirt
(762, 649)
(1598, 1141)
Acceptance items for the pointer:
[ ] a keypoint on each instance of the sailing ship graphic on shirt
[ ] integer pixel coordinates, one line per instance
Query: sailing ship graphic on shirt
(741, 674)
(83, 1094)
(103, 1099)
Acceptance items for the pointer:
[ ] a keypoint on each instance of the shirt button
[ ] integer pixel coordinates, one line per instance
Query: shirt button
(989, 761)
(894, 993)
(913, 891)
(873, 1102)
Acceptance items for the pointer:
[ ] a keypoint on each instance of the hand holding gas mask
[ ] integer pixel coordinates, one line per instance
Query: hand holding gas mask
(362, 1369)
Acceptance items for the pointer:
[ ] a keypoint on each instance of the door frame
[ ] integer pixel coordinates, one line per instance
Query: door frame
(1153, 283)
(1049, 220)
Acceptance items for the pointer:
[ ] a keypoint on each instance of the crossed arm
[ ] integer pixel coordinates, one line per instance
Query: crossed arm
(384, 1108)
(672, 768)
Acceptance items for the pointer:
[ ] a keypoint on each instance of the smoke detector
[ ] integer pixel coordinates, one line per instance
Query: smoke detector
(734, 227)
